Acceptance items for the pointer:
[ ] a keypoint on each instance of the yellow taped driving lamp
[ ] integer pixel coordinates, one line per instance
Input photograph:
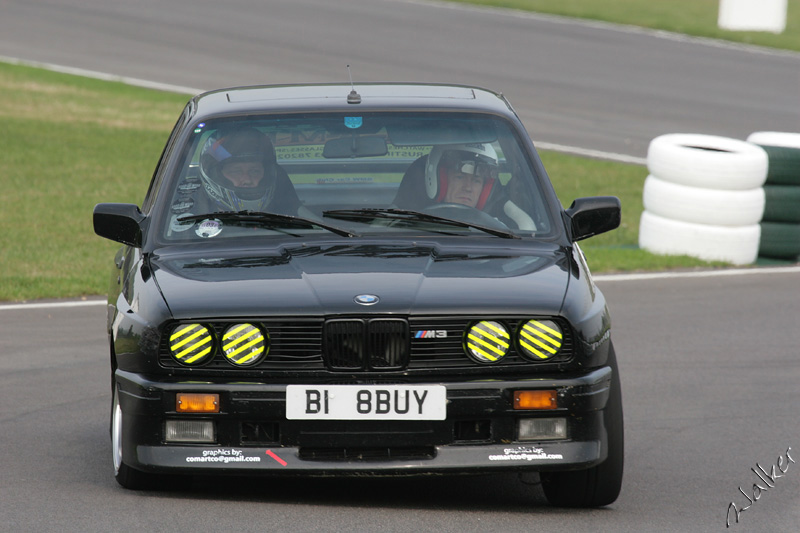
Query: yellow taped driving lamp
(540, 340)
(191, 344)
(487, 341)
(244, 344)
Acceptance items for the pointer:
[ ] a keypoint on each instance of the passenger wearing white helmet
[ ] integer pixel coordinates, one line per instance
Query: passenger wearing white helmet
(465, 174)
(462, 174)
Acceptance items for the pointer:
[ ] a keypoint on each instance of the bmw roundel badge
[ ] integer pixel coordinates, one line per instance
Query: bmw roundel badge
(366, 299)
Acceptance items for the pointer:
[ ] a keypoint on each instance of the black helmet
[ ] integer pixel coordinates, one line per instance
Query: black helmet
(242, 145)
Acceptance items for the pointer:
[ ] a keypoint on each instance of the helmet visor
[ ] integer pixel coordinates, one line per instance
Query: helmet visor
(476, 167)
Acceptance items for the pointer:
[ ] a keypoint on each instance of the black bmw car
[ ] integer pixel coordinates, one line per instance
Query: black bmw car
(370, 280)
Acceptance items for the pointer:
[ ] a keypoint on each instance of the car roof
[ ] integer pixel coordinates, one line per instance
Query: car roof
(334, 97)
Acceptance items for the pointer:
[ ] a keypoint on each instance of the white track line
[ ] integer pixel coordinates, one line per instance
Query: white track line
(698, 274)
(597, 154)
(544, 145)
(644, 276)
(103, 76)
(610, 26)
(51, 305)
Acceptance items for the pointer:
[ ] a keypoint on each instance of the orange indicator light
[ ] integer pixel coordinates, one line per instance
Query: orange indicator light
(535, 399)
(197, 403)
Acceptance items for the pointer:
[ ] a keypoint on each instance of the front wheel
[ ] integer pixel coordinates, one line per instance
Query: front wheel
(599, 485)
(125, 475)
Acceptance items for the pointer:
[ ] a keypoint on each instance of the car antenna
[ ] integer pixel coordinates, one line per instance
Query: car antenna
(353, 97)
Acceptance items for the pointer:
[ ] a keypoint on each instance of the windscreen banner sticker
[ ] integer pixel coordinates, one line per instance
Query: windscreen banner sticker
(346, 179)
(293, 152)
(526, 453)
(223, 455)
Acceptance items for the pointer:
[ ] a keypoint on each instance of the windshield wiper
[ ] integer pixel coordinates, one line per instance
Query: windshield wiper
(407, 214)
(268, 219)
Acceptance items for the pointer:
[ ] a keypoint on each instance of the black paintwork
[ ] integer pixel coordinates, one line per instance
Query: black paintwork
(155, 284)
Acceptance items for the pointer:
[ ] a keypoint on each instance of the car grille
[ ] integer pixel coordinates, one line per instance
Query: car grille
(294, 345)
(448, 352)
(367, 454)
(378, 344)
(373, 344)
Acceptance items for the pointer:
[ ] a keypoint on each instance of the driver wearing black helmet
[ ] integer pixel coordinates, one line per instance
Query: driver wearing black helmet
(239, 172)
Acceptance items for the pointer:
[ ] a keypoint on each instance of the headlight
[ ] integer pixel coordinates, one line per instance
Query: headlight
(487, 341)
(541, 428)
(540, 340)
(190, 431)
(244, 344)
(191, 344)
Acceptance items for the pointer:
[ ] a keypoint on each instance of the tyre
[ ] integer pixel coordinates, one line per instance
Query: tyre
(783, 151)
(125, 475)
(601, 484)
(784, 165)
(775, 138)
(780, 241)
(707, 161)
(737, 245)
(782, 204)
(703, 206)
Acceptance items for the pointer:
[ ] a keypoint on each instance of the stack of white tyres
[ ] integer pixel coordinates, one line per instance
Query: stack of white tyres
(703, 198)
(780, 227)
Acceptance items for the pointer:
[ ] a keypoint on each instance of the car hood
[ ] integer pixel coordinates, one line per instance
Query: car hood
(324, 280)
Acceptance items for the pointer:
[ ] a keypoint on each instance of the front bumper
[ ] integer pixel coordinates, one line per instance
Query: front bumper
(253, 434)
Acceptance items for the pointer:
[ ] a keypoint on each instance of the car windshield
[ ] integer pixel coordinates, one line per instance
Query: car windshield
(355, 175)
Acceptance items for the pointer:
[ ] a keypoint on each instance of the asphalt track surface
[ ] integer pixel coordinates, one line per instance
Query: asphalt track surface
(584, 85)
(709, 364)
(709, 368)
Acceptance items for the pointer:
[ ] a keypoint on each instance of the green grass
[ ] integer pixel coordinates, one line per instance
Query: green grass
(692, 17)
(615, 251)
(68, 143)
(71, 142)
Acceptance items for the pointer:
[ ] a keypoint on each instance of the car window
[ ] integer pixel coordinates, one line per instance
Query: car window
(155, 183)
(367, 173)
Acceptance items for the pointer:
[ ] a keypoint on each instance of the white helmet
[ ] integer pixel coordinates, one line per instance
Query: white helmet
(469, 159)
(243, 145)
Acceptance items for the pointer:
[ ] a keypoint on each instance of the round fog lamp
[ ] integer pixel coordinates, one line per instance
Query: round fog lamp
(191, 344)
(540, 340)
(244, 344)
(487, 341)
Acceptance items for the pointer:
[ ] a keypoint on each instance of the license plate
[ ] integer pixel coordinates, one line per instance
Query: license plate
(366, 402)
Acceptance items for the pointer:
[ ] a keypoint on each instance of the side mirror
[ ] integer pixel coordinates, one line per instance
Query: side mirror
(592, 216)
(119, 222)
